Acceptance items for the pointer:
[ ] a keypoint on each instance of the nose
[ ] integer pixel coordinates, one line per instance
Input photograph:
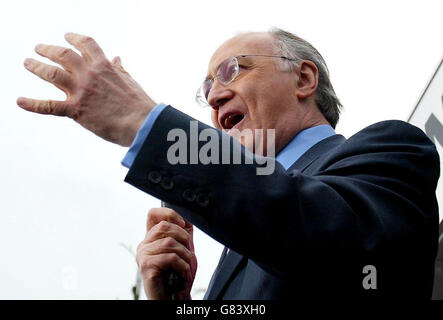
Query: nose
(219, 95)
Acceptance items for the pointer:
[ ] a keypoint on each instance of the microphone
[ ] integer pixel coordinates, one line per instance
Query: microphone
(173, 284)
(173, 281)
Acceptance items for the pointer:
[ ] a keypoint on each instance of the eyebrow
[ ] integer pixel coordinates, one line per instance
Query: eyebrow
(208, 77)
(243, 56)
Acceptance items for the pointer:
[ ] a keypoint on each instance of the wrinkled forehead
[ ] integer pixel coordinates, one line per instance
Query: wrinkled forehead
(248, 43)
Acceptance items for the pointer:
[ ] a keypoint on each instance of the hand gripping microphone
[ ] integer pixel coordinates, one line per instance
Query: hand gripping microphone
(173, 281)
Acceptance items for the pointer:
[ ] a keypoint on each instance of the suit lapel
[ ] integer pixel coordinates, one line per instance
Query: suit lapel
(216, 272)
(316, 151)
(226, 268)
(228, 264)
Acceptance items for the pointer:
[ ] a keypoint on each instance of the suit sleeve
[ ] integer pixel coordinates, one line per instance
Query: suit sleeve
(367, 199)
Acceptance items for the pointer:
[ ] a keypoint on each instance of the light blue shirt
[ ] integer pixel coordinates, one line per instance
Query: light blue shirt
(301, 143)
(142, 134)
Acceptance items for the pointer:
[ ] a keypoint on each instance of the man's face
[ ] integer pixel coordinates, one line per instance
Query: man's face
(262, 96)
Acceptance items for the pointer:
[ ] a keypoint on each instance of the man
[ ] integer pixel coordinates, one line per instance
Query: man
(336, 218)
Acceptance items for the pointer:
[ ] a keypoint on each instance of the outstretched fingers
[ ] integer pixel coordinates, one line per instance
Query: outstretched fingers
(68, 58)
(53, 107)
(57, 76)
(86, 45)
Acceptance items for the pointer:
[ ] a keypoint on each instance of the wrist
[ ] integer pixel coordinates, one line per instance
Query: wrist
(135, 121)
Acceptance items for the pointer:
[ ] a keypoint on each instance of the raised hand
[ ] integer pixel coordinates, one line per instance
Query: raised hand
(100, 94)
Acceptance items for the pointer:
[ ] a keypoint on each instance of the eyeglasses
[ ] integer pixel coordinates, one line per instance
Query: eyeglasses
(226, 73)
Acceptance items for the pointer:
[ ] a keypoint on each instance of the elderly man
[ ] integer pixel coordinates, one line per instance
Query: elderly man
(336, 218)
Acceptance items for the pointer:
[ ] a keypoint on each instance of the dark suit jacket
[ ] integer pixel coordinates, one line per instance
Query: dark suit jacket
(308, 232)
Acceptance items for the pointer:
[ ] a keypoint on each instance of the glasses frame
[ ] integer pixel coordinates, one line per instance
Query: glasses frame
(200, 96)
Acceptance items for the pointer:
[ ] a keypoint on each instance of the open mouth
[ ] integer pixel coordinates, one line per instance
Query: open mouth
(231, 120)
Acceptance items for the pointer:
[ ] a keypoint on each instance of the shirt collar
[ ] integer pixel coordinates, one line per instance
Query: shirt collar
(302, 142)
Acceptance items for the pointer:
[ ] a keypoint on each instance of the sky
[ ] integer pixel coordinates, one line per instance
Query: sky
(68, 222)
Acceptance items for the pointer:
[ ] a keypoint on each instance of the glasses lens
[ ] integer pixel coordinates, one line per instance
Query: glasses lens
(228, 70)
(207, 85)
(226, 73)
(202, 93)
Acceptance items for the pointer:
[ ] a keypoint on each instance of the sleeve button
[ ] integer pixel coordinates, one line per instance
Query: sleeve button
(154, 177)
(202, 200)
(189, 195)
(167, 183)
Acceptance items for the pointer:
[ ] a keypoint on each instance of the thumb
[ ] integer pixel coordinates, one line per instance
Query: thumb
(117, 61)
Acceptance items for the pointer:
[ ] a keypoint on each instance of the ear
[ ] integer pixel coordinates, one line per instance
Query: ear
(307, 81)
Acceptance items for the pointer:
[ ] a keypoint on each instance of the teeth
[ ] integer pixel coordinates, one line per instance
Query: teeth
(228, 121)
(232, 120)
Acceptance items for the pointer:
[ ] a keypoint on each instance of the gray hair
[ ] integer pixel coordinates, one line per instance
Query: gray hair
(297, 48)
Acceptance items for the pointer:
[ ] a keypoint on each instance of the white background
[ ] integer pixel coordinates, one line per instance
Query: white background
(64, 208)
